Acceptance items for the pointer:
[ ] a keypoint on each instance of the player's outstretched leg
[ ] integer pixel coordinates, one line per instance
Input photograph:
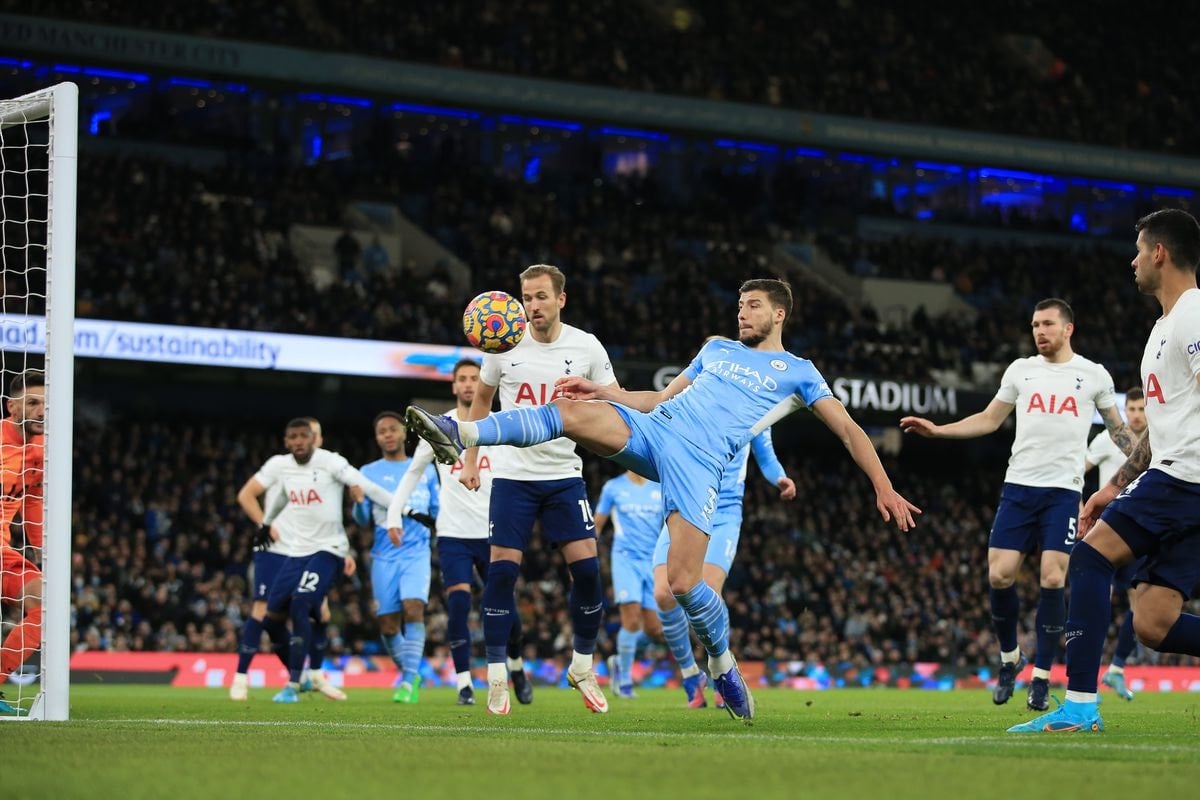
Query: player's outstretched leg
(522, 427)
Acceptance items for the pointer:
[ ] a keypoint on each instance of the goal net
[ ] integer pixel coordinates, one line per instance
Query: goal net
(38, 145)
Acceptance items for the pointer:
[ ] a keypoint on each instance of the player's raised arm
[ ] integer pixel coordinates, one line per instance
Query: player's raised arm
(350, 477)
(978, 424)
(891, 505)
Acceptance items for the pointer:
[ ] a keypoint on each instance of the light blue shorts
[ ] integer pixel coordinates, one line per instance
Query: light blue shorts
(690, 477)
(397, 580)
(722, 544)
(633, 580)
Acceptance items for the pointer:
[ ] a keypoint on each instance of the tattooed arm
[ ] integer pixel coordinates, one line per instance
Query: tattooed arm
(1135, 465)
(1118, 431)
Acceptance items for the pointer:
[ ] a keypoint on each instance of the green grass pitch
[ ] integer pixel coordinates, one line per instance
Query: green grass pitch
(159, 742)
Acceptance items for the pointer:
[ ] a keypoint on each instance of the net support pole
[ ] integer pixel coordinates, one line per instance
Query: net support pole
(60, 394)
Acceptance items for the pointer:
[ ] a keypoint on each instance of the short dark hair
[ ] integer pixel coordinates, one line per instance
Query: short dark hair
(396, 415)
(1177, 231)
(557, 279)
(1135, 393)
(779, 294)
(299, 422)
(464, 362)
(23, 380)
(1063, 307)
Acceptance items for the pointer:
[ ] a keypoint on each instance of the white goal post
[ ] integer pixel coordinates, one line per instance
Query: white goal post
(39, 141)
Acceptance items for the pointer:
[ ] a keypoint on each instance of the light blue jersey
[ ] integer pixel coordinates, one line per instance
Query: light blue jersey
(687, 442)
(738, 392)
(424, 499)
(636, 512)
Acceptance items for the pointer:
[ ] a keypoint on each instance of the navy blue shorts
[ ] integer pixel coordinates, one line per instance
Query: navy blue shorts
(1159, 517)
(311, 576)
(462, 558)
(266, 567)
(561, 505)
(1030, 517)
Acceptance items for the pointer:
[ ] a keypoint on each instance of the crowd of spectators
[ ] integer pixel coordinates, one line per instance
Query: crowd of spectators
(1018, 66)
(650, 275)
(161, 555)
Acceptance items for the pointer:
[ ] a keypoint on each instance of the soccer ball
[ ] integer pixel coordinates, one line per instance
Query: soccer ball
(494, 322)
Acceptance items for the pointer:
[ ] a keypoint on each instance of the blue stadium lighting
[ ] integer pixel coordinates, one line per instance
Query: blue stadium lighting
(1011, 175)
(334, 99)
(807, 152)
(751, 146)
(633, 133)
(95, 120)
(533, 169)
(1171, 191)
(853, 158)
(67, 68)
(438, 111)
(238, 88)
(194, 83)
(510, 119)
(1119, 187)
(935, 167)
(925, 213)
(314, 147)
(116, 74)
(15, 62)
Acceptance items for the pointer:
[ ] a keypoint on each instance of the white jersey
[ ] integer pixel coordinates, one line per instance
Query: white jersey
(462, 513)
(1169, 369)
(1055, 404)
(1105, 456)
(314, 513)
(525, 377)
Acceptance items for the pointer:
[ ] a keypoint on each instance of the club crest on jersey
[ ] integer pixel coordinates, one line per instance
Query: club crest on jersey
(1078, 382)
(1161, 345)
(567, 368)
(779, 364)
(1038, 403)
